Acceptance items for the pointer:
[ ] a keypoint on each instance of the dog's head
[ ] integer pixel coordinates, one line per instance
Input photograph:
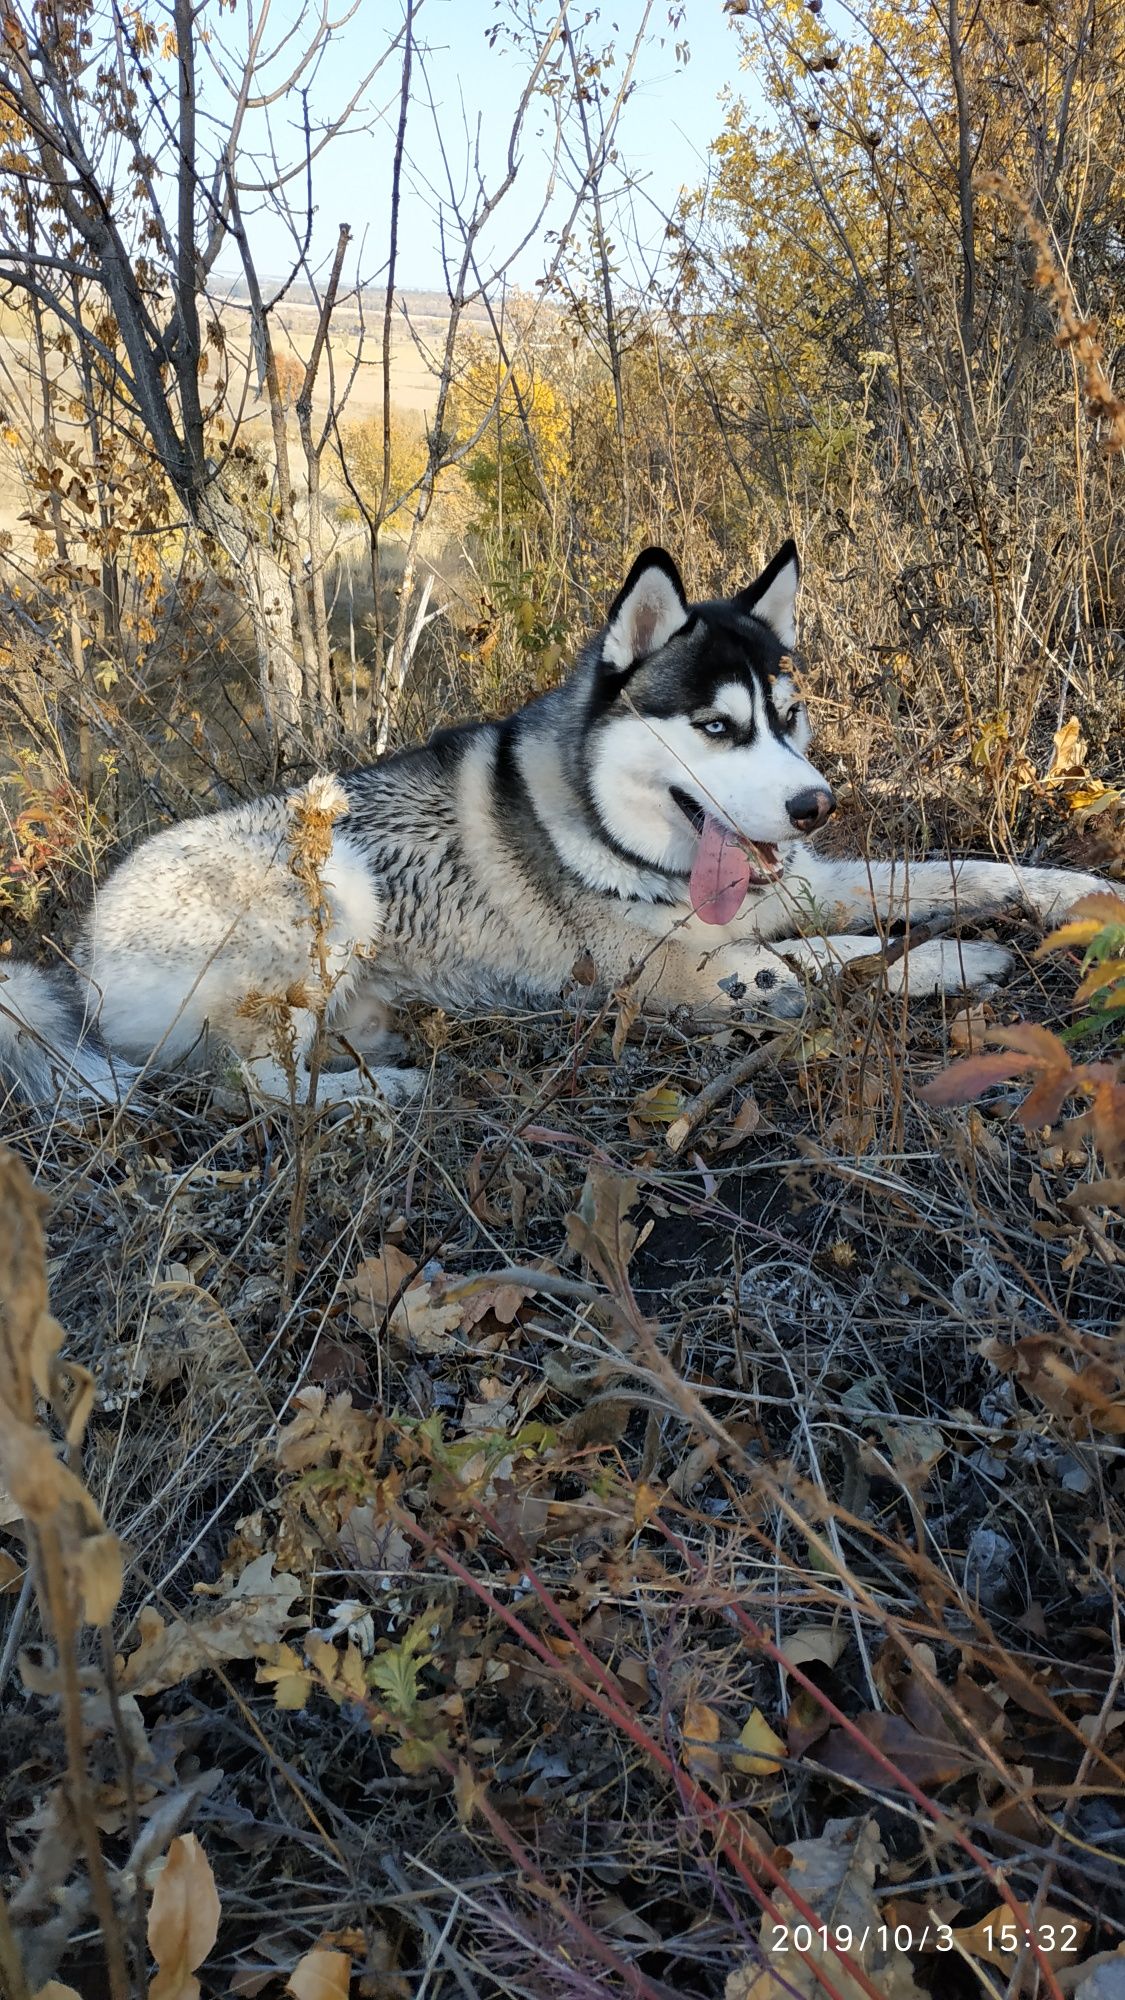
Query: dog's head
(697, 751)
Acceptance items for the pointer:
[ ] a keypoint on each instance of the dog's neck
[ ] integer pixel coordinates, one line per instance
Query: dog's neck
(550, 746)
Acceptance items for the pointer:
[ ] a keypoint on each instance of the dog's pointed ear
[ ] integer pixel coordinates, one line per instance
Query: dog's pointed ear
(772, 597)
(648, 608)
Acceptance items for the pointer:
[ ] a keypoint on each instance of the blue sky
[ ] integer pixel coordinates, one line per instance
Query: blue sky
(674, 113)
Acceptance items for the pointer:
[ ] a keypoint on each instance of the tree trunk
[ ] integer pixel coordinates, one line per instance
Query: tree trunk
(267, 590)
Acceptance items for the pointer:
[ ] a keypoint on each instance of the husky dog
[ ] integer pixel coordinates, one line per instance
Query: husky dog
(644, 819)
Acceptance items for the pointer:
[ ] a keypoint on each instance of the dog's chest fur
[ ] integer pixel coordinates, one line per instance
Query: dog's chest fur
(493, 880)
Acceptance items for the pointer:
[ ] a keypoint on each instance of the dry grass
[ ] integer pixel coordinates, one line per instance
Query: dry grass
(555, 1527)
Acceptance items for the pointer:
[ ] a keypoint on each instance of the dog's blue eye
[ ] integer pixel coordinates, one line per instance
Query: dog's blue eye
(790, 721)
(717, 726)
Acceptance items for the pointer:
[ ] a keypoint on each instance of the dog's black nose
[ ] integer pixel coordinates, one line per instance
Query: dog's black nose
(810, 809)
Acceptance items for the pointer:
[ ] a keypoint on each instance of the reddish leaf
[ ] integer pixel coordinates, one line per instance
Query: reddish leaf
(1042, 1104)
(1032, 1040)
(1107, 1121)
(807, 1722)
(932, 1759)
(963, 1081)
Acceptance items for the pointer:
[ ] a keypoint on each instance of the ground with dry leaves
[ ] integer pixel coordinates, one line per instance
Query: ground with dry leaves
(659, 1492)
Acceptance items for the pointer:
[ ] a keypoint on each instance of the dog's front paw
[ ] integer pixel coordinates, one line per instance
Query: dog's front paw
(948, 966)
(401, 1086)
(1051, 892)
(371, 1086)
(766, 986)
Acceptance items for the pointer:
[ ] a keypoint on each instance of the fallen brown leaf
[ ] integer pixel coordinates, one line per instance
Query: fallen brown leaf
(926, 1760)
(702, 1730)
(835, 1875)
(183, 1920)
(321, 1975)
(1000, 1938)
(250, 1619)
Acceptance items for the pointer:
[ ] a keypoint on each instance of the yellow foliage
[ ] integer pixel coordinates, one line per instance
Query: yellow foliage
(363, 453)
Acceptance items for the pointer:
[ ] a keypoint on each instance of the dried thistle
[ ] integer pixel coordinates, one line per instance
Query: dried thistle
(274, 1012)
(313, 812)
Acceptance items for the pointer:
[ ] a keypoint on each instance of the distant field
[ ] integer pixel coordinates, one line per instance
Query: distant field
(353, 367)
(421, 320)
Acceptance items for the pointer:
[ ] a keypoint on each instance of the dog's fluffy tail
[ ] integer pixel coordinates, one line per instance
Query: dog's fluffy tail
(50, 1049)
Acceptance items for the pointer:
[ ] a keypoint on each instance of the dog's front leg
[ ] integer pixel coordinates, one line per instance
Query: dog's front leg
(941, 965)
(844, 893)
(739, 976)
(281, 1070)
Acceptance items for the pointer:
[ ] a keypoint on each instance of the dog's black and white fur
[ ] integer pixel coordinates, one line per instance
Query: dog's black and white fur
(647, 816)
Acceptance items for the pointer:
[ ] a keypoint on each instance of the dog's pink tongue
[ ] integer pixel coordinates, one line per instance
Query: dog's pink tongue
(720, 876)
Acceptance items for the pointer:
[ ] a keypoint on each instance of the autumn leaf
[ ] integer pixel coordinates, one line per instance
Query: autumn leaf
(964, 1081)
(661, 1105)
(1086, 918)
(1030, 1050)
(342, 1672)
(822, 1644)
(746, 1120)
(324, 1428)
(288, 1677)
(834, 1876)
(321, 1975)
(101, 1575)
(183, 1920)
(424, 1317)
(250, 1618)
(468, 1792)
(805, 1724)
(968, 1028)
(1000, 1938)
(478, 1297)
(598, 1228)
(1068, 757)
(702, 1730)
(1101, 979)
(1083, 1385)
(933, 1759)
(762, 1753)
(1038, 1044)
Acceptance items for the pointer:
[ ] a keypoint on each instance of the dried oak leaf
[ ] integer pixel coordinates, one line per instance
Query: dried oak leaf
(1083, 1382)
(835, 1876)
(249, 1619)
(423, 1317)
(822, 1644)
(324, 1427)
(598, 1229)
